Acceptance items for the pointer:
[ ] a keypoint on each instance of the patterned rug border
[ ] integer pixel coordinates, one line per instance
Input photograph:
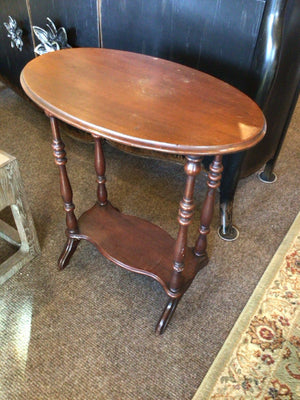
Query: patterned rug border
(207, 385)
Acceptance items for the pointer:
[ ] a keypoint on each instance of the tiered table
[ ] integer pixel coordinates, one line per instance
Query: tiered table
(147, 103)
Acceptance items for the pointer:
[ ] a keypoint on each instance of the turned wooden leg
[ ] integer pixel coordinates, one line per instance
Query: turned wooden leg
(186, 210)
(100, 171)
(213, 182)
(66, 193)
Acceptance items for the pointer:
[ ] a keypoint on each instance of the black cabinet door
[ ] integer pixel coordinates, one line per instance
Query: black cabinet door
(79, 17)
(12, 60)
(217, 36)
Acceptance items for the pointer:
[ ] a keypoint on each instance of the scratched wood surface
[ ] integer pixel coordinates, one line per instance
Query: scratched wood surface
(149, 102)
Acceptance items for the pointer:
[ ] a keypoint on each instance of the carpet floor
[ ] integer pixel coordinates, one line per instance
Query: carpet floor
(88, 332)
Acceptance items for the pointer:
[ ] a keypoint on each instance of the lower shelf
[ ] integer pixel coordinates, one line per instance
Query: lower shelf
(136, 245)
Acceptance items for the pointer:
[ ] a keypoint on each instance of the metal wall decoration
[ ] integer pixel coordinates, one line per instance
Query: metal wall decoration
(14, 33)
(51, 39)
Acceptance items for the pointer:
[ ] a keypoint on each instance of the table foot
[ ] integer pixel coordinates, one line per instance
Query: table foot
(228, 233)
(67, 252)
(166, 316)
(267, 178)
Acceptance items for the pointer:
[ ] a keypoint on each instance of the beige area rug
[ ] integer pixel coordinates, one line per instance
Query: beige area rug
(261, 357)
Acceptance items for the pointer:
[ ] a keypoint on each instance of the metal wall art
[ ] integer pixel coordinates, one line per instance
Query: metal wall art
(14, 33)
(51, 39)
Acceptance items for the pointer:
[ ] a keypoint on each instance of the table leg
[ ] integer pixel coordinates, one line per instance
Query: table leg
(166, 316)
(100, 171)
(186, 210)
(66, 193)
(213, 182)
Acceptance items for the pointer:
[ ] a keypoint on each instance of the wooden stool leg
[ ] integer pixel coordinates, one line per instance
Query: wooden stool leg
(12, 194)
(213, 182)
(186, 210)
(66, 193)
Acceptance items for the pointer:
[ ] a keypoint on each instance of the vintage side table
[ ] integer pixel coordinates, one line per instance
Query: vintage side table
(148, 103)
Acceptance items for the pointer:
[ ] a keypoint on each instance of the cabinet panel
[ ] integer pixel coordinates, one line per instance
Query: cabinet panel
(78, 17)
(218, 36)
(12, 60)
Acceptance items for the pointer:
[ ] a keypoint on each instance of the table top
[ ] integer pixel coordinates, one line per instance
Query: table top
(143, 101)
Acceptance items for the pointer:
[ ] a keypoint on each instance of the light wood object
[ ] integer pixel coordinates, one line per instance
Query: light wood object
(12, 195)
(148, 103)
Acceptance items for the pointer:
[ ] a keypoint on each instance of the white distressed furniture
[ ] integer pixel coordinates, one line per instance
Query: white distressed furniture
(25, 238)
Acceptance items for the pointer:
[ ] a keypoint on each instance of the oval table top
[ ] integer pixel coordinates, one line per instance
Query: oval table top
(143, 101)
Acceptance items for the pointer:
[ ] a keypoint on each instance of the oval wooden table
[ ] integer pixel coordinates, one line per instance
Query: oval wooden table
(148, 103)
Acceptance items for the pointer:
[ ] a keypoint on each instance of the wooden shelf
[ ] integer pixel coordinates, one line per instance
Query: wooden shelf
(136, 245)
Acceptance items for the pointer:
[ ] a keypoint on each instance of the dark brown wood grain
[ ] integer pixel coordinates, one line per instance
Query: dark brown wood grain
(60, 158)
(143, 101)
(186, 211)
(100, 171)
(213, 182)
(136, 245)
(65, 187)
(149, 103)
